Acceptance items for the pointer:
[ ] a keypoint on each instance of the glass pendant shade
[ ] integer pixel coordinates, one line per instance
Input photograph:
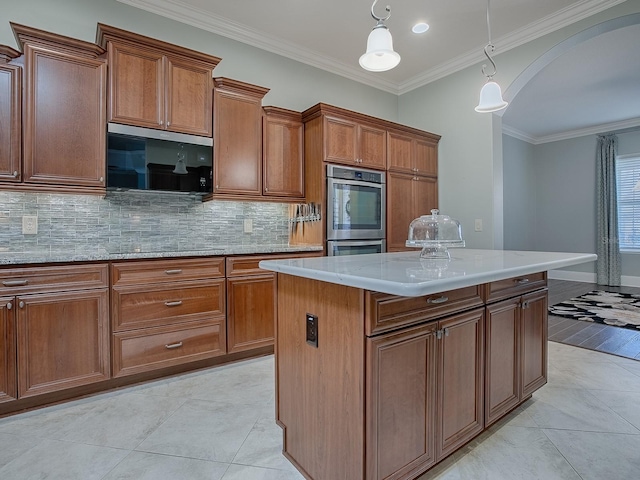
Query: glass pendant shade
(181, 168)
(491, 98)
(379, 56)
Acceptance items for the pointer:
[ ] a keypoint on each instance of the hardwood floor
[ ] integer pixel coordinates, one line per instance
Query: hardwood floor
(593, 336)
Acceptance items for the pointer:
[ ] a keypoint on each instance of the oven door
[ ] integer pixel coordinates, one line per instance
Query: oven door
(346, 247)
(355, 209)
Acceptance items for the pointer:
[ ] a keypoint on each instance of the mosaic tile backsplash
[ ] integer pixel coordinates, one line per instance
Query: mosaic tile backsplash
(145, 221)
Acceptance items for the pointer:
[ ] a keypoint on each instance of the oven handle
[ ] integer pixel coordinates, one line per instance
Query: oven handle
(340, 181)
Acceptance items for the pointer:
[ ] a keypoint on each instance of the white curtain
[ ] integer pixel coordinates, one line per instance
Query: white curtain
(608, 247)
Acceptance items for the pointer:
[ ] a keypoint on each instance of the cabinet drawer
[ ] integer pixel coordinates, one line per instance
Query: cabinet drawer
(239, 266)
(152, 348)
(158, 271)
(387, 312)
(161, 304)
(53, 279)
(513, 287)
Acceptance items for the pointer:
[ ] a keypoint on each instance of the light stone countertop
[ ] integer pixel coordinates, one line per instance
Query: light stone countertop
(64, 254)
(407, 275)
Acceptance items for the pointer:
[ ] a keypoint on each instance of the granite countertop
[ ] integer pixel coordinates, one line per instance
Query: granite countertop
(66, 254)
(408, 275)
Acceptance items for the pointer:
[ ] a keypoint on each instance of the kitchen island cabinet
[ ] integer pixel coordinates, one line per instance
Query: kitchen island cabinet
(381, 359)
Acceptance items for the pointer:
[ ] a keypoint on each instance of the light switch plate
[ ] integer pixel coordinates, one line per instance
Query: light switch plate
(478, 225)
(29, 224)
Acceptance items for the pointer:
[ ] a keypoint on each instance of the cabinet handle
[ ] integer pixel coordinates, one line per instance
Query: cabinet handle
(160, 122)
(522, 281)
(173, 272)
(101, 179)
(9, 306)
(15, 174)
(173, 345)
(438, 334)
(524, 305)
(168, 124)
(435, 301)
(21, 304)
(15, 283)
(173, 304)
(446, 332)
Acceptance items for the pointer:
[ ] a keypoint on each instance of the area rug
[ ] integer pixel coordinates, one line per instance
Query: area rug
(608, 308)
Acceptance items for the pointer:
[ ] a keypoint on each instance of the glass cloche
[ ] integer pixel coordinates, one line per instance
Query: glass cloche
(435, 234)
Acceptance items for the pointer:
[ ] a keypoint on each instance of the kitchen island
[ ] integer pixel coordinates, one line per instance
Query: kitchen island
(386, 363)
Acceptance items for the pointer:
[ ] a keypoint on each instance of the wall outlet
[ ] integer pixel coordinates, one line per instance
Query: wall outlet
(312, 330)
(29, 224)
(248, 225)
(478, 225)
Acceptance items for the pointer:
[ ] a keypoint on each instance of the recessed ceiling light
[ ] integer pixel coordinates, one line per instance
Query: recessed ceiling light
(420, 27)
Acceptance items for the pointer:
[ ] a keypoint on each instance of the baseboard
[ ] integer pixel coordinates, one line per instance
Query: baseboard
(586, 277)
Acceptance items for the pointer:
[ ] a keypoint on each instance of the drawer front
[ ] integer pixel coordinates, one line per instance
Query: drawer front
(248, 265)
(161, 271)
(152, 348)
(387, 312)
(512, 287)
(14, 281)
(161, 304)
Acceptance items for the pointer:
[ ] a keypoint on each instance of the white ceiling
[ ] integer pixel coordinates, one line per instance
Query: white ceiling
(332, 34)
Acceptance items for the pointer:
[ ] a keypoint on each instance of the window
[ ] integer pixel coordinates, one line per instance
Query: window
(628, 185)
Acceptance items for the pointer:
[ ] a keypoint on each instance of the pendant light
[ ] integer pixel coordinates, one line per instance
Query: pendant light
(181, 167)
(379, 56)
(490, 95)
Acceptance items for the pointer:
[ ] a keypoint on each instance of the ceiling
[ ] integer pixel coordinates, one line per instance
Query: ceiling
(332, 35)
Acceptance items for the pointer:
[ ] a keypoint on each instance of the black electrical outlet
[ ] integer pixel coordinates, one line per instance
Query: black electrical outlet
(312, 330)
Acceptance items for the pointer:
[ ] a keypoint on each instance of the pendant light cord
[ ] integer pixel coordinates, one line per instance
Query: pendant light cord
(490, 48)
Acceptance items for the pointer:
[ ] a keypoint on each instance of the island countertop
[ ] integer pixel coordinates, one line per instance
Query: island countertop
(406, 274)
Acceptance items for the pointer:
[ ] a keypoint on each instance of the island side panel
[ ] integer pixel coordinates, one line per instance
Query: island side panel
(320, 391)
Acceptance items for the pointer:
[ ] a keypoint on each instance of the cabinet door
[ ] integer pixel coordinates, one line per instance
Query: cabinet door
(136, 86)
(425, 196)
(399, 156)
(237, 163)
(400, 210)
(10, 119)
(63, 340)
(502, 367)
(372, 151)
(534, 341)
(251, 312)
(340, 141)
(64, 128)
(189, 97)
(460, 381)
(283, 162)
(401, 383)
(7, 350)
(425, 157)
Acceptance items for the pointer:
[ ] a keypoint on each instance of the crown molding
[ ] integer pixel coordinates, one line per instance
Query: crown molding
(182, 12)
(632, 123)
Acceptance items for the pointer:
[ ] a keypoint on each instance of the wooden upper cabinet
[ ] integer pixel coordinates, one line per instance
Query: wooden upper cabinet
(64, 111)
(282, 153)
(237, 134)
(412, 153)
(353, 143)
(157, 85)
(10, 116)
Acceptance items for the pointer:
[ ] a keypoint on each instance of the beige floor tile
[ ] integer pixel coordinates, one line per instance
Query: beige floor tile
(595, 376)
(599, 456)
(12, 446)
(625, 404)
(122, 421)
(149, 466)
(263, 447)
(58, 460)
(204, 430)
(241, 472)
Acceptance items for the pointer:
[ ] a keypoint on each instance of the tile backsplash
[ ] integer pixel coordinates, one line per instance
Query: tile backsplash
(149, 221)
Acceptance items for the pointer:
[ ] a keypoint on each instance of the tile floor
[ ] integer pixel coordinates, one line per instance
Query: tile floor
(219, 424)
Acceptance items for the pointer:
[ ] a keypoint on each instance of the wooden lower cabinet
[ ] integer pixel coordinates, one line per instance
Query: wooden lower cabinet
(425, 394)
(63, 340)
(251, 311)
(516, 352)
(8, 385)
